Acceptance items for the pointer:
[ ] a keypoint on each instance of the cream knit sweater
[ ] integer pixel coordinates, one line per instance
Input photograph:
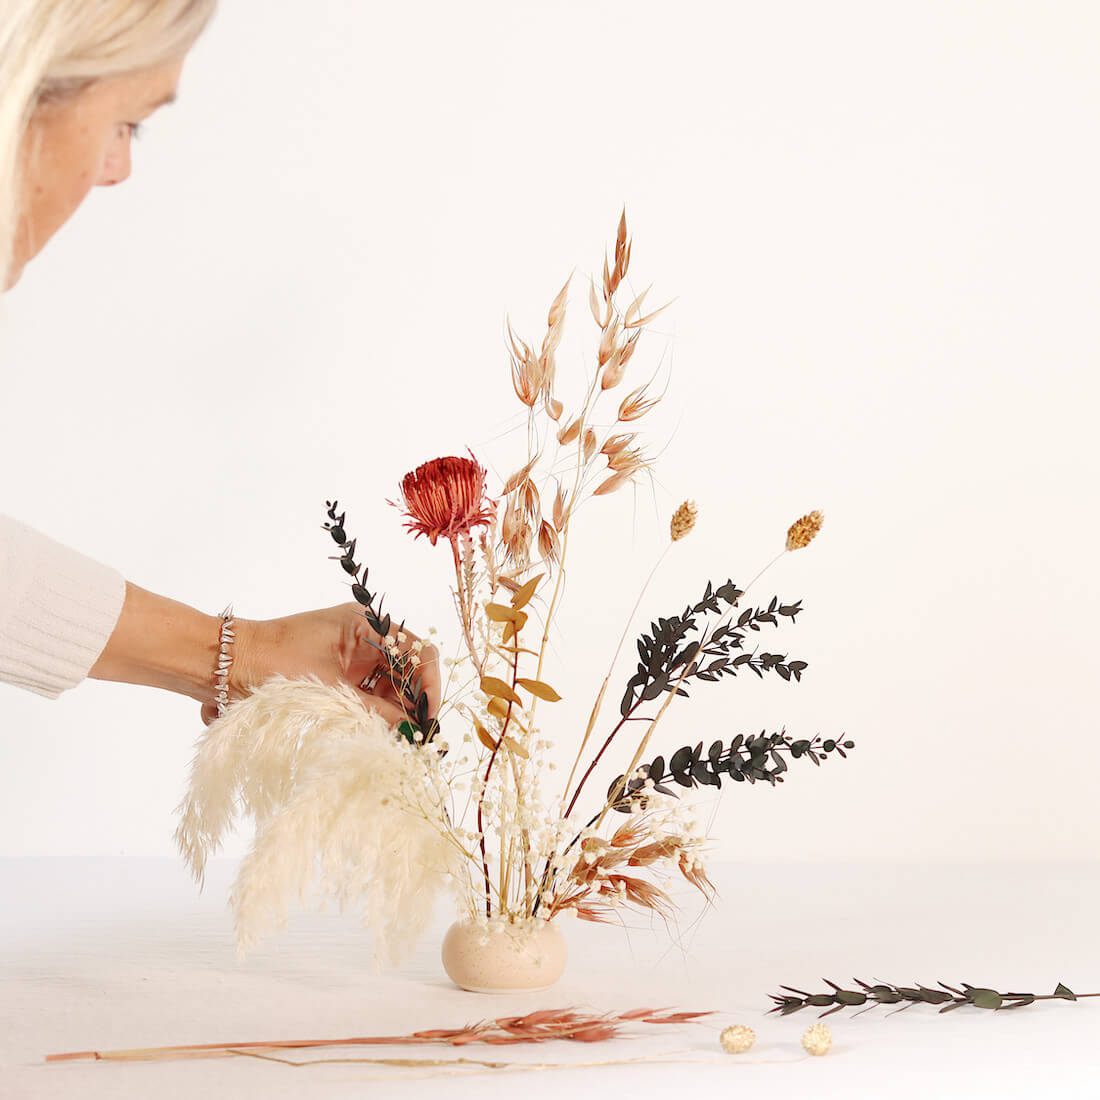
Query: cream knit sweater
(57, 610)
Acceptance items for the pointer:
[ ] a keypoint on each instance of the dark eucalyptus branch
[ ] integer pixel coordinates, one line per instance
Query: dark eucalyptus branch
(410, 687)
(744, 759)
(665, 650)
(947, 997)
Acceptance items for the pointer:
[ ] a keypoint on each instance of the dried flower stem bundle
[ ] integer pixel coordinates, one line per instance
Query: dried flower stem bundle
(535, 1027)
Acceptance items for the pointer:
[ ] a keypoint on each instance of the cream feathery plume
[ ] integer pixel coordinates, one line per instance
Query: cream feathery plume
(331, 786)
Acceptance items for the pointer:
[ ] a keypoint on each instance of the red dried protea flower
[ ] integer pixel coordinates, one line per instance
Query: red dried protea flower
(446, 498)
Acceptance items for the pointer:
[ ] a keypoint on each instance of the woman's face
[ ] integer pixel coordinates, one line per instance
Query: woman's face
(79, 142)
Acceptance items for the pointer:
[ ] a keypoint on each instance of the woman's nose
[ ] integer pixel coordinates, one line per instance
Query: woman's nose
(116, 164)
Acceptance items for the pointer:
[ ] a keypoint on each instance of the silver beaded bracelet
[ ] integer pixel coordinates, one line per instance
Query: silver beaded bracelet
(225, 661)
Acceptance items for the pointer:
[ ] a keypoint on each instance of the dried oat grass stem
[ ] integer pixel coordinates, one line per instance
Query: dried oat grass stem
(603, 690)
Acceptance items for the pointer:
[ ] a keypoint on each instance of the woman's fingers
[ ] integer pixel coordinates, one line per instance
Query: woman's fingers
(429, 669)
(378, 680)
(391, 712)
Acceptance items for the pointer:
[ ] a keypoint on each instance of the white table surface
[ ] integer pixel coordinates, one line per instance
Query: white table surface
(116, 953)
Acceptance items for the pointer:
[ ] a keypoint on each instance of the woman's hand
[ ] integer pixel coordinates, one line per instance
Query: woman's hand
(334, 645)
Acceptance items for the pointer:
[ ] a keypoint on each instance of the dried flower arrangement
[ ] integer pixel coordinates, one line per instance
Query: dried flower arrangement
(391, 814)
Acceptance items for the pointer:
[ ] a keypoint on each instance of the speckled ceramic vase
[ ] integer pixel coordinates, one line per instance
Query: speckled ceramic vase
(500, 957)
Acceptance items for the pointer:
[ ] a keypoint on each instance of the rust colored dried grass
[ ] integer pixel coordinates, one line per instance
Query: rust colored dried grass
(536, 1027)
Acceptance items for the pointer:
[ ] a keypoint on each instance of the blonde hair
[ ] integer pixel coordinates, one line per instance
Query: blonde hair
(54, 48)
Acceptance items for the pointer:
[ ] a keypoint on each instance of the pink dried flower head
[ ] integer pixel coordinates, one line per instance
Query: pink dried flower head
(446, 498)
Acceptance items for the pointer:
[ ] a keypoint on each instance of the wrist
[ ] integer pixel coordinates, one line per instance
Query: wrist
(162, 643)
(250, 666)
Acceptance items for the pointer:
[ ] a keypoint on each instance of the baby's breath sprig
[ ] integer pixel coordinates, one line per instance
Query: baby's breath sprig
(946, 997)
(399, 665)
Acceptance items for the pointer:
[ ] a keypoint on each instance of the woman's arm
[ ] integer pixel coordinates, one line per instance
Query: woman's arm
(64, 617)
(161, 643)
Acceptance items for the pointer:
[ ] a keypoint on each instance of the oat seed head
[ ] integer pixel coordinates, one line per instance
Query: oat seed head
(802, 531)
(683, 520)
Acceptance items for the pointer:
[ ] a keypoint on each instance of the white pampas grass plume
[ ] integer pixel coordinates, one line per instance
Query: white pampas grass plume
(334, 790)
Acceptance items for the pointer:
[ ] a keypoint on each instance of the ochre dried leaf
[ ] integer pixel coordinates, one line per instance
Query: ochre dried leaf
(523, 596)
(497, 688)
(515, 747)
(498, 613)
(484, 736)
(541, 689)
(498, 708)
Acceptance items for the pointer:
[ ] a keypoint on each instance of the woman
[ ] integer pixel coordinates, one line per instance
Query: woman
(77, 79)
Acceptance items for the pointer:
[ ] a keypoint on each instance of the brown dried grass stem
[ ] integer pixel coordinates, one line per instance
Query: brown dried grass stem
(603, 687)
(535, 1027)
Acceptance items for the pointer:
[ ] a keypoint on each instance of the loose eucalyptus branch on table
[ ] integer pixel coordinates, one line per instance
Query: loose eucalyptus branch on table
(947, 997)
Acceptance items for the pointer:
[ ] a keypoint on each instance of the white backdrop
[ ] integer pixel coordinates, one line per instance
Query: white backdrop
(879, 223)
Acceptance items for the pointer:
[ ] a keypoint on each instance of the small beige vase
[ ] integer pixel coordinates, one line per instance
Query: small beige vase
(501, 957)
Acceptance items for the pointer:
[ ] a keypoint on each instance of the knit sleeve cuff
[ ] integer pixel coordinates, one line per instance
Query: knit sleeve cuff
(58, 608)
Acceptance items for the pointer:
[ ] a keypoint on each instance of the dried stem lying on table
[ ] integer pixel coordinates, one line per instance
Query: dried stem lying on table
(535, 1027)
(947, 997)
